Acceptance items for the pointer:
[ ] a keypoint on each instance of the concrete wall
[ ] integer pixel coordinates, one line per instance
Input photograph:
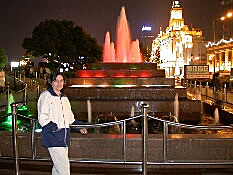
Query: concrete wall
(181, 147)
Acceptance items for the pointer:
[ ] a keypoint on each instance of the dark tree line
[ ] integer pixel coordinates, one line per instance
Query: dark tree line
(3, 59)
(62, 42)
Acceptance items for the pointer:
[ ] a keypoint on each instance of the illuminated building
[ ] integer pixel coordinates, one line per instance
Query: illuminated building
(178, 45)
(147, 37)
(220, 52)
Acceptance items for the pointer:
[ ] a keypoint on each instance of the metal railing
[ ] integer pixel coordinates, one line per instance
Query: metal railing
(144, 115)
(15, 135)
(22, 95)
(223, 96)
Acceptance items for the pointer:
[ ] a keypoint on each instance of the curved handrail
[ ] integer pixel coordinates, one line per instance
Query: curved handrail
(190, 126)
(34, 119)
(105, 124)
(155, 118)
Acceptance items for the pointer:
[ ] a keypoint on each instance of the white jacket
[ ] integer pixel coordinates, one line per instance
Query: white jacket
(52, 108)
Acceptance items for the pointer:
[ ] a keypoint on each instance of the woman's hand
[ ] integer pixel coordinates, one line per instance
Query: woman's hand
(83, 131)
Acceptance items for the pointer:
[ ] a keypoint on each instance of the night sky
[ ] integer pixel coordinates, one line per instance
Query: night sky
(19, 17)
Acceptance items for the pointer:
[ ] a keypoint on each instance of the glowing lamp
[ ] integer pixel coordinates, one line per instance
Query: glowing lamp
(229, 15)
(222, 18)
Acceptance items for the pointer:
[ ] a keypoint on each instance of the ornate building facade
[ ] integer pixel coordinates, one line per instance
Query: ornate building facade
(220, 56)
(178, 45)
(220, 52)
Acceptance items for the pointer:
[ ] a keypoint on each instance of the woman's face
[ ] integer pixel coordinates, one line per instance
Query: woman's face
(58, 83)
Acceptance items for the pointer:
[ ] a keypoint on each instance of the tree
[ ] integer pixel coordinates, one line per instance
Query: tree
(62, 42)
(3, 59)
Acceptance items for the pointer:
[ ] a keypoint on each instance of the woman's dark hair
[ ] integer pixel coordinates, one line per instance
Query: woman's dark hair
(52, 78)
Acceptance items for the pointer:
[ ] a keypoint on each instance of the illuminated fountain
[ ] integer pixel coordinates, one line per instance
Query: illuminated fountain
(126, 51)
(122, 65)
(6, 122)
(116, 85)
(123, 61)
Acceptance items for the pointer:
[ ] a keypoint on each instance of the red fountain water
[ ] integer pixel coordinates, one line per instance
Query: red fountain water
(109, 51)
(127, 51)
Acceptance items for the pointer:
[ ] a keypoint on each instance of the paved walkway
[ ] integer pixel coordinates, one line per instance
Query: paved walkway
(38, 168)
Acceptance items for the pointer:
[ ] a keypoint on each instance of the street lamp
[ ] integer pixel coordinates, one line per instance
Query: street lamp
(228, 15)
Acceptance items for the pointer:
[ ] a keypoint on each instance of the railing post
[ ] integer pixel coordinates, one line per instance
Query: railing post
(14, 137)
(38, 90)
(33, 139)
(8, 94)
(195, 89)
(214, 93)
(145, 138)
(224, 96)
(20, 76)
(123, 129)
(225, 93)
(165, 138)
(89, 113)
(25, 93)
(206, 90)
(200, 88)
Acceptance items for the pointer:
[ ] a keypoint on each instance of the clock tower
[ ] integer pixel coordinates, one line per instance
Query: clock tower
(176, 19)
(178, 45)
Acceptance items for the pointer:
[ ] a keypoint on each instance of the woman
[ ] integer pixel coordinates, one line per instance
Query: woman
(55, 116)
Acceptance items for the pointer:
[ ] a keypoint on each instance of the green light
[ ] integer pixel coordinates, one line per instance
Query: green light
(118, 82)
(23, 108)
(21, 122)
(124, 86)
(9, 111)
(94, 68)
(8, 122)
(10, 101)
(133, 68)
